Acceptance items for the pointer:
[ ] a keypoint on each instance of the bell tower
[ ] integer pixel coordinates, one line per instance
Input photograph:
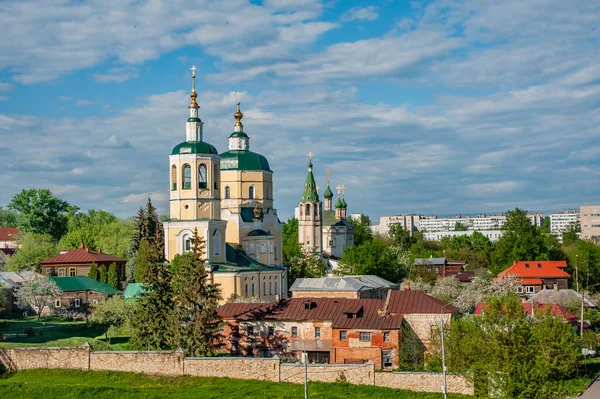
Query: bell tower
(310, 232)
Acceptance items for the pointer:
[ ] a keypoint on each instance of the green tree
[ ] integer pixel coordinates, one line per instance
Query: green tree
(34, 248)
(83, 228)
(148, 227)
(94, 273)
(8, 218)
(291, 246)
(37, 292)
(144, 262)
(112, 312)
(571, 235)
(306, 266)
(371, 257)
(362, 229)
(546, 224)
(401, 237)
(196, 323)
(113, 276)
(521, 241)
(114, 237)
(41, 212)
(459, 226)
(3, 299)
(102, 274)
(583, 263)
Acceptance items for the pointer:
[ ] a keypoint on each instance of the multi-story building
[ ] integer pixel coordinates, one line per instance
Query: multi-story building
(408, 222)
(564, 221)
(477, 223)
(590, 222)
(492, 235)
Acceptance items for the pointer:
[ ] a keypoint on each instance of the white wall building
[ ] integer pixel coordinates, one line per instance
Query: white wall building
(408, 222)
(492, 235)
(561, 222)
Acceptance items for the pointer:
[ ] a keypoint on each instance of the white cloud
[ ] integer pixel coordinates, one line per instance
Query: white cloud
(117, 75)
(360, 14)
(5, 87)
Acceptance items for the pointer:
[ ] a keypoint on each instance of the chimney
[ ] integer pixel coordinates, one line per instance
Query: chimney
(357, 278)
(87, 250)
(99, 250)
(406, 286)
(81, 246)
(277, 298)
(514, 262)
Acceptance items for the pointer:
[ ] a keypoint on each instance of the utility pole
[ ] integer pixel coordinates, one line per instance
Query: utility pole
(444, 386)
(305, 359)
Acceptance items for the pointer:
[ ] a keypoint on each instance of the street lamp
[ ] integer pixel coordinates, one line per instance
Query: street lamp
(444, 386)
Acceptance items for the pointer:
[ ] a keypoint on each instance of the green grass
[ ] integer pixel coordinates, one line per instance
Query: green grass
(67, 384)
(57, 331)
(588, 372)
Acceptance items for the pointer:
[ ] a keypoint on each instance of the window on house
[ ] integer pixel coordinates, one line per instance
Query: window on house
(250, 330)
(77, 302)
(519, 290)
(72, 272)
(342, 335)
(271, 331)
(530, 289)
(317, 332)
(365, 337)
(202, 176)
(276, 287)
(251, 249)
(173, 177)
(386, 337)
(61, 272)
(57, 303)
(227, 192)
(251, 192)
(307, 213)
(187, 177)
(294, 331)
(331, 243)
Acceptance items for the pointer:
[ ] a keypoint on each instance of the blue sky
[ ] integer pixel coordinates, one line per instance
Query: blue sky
(435, 107)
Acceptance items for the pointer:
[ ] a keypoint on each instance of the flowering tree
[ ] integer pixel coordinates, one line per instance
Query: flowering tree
(37, 292)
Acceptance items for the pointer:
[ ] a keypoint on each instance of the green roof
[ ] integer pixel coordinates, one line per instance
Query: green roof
(247, 214)
(310, 193)
(194, 120)
(328, 193)
(238, 134)
(194, 147)
(344, 205)
(133, 290)
(338, 203)
(238, 261)
(83, 283)
(244, 160)
(329, 219)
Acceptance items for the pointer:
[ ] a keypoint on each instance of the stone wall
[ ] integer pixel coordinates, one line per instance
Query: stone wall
(267, 369)
(163, 363)
(354, 373)
(424, 382)
(247, 368)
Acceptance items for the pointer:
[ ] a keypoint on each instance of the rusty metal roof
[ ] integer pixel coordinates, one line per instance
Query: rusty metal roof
(407, 302)
(81, 255)
(8, 233)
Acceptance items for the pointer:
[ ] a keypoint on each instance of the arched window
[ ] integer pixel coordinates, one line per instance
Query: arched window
(307, 212)
(173, 177)
(187, 177)
(316, 211)
(216, 178)
(263, 248)
(227, 192)
(217, 243)
(251, 192)
(268, 192)
(301, 211)
(202, 176)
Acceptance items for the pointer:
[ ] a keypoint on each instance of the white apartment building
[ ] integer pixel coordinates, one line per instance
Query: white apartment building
(561, 222)
(435, 224)
(408, 222)
(492, 235)
(590, 222)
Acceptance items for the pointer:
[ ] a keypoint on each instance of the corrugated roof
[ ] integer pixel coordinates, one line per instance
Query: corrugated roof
(367, 312)
(8, 233)
(409, 301)
(133, 290)
(83, 283)
(531, 281)
(81, 255)
(13, 279)
(341, 283)
(537, 268)
(429, 261)
(561, 297)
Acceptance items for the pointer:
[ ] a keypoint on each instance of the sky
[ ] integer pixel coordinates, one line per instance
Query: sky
(433, 107)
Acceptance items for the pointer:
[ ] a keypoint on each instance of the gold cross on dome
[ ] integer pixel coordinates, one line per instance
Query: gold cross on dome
(193, 68)
(238, 97)
(310, 154)
(328, 175)
(339, 189)
(343, 189)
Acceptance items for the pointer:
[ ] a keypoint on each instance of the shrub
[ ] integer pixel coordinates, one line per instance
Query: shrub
(30, 332)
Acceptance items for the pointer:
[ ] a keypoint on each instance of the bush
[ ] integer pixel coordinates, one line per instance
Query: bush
(30, 332)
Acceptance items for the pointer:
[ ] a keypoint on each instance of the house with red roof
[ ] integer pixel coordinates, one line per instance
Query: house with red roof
(8, 240)
(537, 275)
(77, 262)
(331, 330)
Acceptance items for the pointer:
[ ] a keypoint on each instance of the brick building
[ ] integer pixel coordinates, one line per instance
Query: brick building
(77, 262)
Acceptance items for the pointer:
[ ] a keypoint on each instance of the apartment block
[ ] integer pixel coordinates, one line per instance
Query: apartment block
(408, 222)
(561, 222)
(590, 222)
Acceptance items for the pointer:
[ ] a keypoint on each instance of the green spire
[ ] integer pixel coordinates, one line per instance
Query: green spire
(310, 193)
(338, 203)
(328, 193)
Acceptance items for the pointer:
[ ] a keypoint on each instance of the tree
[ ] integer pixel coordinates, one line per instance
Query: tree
(113, 276)
(144, 262)
(362, 229)
(102, 274)
(83, 228)
(291, 246)
(113, 311)
(196, 323)
(148, 227)
(546, 224)
(3, 299)
(459, 226)
(401, 237)
(114, 237)
(33, 249)
(94, 273)
(8, 218)
(306, 266)
(583, 263)
(38, 292)
(41, 212)
(371, 257)
(521, 241)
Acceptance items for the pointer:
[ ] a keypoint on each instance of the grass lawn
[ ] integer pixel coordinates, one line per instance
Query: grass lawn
(103, 384)
(57, 331)
(586, 375)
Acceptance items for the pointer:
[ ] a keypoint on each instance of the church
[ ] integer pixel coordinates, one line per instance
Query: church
(228, 200)
(322, 230)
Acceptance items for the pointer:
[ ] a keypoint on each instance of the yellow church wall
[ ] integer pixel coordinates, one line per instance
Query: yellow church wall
(233, 232)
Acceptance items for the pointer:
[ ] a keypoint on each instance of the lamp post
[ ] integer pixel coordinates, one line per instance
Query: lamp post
(444, 386)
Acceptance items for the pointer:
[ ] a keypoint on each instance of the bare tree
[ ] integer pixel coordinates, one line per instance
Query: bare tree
(37, 292)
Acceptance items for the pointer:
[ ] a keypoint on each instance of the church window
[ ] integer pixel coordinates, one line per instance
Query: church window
(300, 211)
(227, 192)
(187, 177)
(275, 253)
(270, 287)
(316, 211)
(202, 176)
(268, 192)
(251, 249)
(264, 288)
(216, 178)
(307, 210)
(188, 244)
(173, 177)
(217, 243)
(251, 192)
(263, 248)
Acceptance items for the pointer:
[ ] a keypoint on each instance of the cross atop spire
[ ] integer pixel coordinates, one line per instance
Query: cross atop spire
(193, 95)
(328, 175)
(310, 154)
(339, 189)
(238, 115)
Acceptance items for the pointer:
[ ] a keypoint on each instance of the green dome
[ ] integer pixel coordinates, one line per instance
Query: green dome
(238, 134)
(244, 160)
(194, 147)
(328, 193)
(338, 203)
(344, 205)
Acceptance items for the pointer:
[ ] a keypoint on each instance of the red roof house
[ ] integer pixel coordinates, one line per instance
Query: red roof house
(77, 262)
(537, 275)
(8, 239)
